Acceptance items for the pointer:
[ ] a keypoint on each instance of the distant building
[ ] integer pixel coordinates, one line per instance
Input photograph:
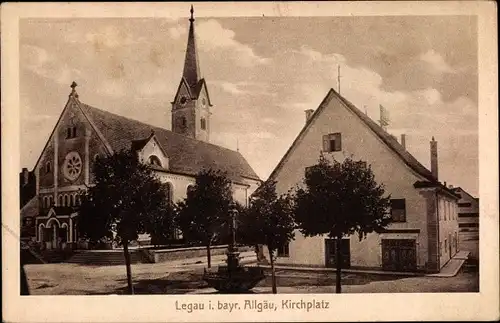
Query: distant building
(84, 133)
(27, 190)
(424, 232)
(468, 222)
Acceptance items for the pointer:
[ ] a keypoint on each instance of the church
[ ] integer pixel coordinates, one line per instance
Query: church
(84, 133)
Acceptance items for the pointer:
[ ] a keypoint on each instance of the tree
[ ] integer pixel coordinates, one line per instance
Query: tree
(340, 199)
(203, 215)
(268, 221)
(161, 225)
(122, 204)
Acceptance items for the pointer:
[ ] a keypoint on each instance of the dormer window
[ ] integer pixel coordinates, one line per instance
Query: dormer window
(154, 160)
(332, 142)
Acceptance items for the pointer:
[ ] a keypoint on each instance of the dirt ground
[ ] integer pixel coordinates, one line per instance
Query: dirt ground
(72, 279)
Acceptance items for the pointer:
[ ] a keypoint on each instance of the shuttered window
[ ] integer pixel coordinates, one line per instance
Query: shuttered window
(332, 142)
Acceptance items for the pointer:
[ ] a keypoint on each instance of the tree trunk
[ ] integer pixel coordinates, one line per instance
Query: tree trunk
(338, 264)
(209, 257)
(273, 274)
(127, 265)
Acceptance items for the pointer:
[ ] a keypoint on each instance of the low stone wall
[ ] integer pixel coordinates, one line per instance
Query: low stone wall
(192, 252)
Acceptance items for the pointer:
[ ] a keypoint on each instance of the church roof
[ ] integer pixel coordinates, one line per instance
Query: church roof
(186, 155)
(389, 140)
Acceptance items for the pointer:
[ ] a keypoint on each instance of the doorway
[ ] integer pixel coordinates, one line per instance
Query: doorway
(399, 255)
(345, 253)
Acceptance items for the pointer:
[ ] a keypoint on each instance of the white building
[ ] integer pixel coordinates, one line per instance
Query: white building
(423, 236)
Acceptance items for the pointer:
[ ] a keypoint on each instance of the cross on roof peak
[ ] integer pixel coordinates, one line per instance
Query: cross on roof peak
(73, 91)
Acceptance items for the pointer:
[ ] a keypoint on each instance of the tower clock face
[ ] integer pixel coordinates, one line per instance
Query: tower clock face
(72, 166)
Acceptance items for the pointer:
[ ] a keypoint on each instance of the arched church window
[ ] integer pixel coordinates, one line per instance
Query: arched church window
(60, 200)
(170, 192)
(71, 200)
(190, 190)
(48, 167)
(51, 201)
(74, 132)
(154, 160)
(66, 200)
(203, 123)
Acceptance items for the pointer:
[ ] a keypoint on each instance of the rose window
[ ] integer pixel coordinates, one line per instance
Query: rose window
(72, 166)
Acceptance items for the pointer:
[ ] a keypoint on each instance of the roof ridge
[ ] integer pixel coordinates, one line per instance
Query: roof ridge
(163, 129)
(388, 138)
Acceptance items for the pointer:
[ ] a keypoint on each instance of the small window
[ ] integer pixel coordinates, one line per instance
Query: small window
(60, 200)
(464, 204)
(74, 132)
(68, 133)
(398, 210)
(183, 121)
(48, 167)
(154, 160)
(332, 142)
(445, 245)
(203, 123)
(284, 250)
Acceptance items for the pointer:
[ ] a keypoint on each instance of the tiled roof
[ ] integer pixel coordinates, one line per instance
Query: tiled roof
(388, 139)
(186, 155)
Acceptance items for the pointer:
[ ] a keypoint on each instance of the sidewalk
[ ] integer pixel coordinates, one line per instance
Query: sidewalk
(453, 266)
(346, 270)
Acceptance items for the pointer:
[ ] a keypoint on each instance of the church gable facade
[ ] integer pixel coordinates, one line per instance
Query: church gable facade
(84, 133)
(411, 243)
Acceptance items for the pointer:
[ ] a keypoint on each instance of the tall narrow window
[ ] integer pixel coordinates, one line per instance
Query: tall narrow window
(332, 142)
(48, 167)
(203, 123)
(398, 210)
(284, 250)
(189, 191)
(74, 132)
(68, 133)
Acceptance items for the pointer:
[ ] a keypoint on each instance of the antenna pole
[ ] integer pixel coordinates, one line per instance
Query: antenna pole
(338, 78)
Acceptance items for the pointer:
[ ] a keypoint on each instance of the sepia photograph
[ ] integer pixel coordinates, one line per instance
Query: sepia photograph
(190, 153)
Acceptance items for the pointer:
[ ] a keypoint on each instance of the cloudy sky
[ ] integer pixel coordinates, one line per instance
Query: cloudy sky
(262, 73)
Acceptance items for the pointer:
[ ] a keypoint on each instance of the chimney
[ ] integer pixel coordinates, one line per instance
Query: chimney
(309, 113)
(26, 176)
(434, 158)
(403, 140)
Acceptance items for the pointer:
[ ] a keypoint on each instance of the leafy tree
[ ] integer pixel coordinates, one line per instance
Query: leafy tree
(340, 199)
(203, 215)
(268, 221)
(161, 225)
(122, 204)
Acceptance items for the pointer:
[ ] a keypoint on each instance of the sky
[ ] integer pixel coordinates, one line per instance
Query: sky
(262, 73)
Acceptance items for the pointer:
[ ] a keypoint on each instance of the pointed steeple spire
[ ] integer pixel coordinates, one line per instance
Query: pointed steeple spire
(191, 66)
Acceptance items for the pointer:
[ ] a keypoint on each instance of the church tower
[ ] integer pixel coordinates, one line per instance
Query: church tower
(191, 105)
